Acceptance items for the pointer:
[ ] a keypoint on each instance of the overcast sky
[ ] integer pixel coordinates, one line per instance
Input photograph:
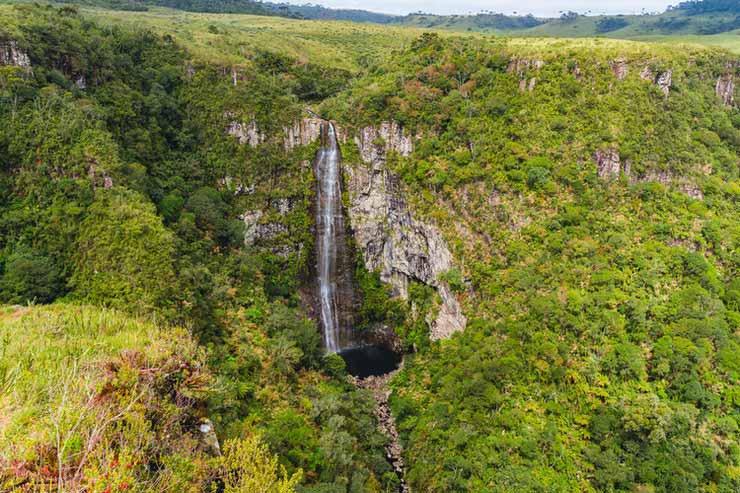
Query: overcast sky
(536, 7)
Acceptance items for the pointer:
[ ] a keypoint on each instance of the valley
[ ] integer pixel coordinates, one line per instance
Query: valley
(254, 253)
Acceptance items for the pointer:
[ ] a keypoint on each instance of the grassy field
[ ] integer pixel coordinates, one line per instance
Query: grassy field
(50, 360)
(729, 41)
(230, 38)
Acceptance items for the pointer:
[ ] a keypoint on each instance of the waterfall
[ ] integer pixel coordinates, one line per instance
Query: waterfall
(330, 241)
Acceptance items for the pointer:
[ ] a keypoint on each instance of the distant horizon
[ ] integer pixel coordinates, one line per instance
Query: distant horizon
(538, 8)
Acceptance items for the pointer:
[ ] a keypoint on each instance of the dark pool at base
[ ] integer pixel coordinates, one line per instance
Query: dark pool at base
(366, 361)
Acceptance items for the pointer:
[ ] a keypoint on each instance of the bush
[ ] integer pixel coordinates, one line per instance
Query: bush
(609, 24)
(124, 253)
(30, 277)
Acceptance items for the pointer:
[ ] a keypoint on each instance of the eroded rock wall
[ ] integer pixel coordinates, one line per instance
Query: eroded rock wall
(394, 243)
(11, 54)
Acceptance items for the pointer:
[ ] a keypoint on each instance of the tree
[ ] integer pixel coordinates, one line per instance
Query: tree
(250, 468)
(30, 276)
(124, 253)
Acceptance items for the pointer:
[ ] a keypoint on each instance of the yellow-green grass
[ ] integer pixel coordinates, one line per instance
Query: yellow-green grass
(729, 41)
(230, 38)
(51, 361)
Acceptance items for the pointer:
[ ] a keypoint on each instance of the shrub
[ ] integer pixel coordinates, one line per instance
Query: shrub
(30, 276)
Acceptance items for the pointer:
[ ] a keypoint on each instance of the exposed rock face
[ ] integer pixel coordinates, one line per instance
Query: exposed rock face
(664, 80)
(520, 65)
(669, 179)
(11, 54)
(725, 89)
(251, 227)
(608, 164)
(259, 229)
(391, 240)
(577, 71)
(302, 133)
(620, 69)
(246, 133)
(375, 142)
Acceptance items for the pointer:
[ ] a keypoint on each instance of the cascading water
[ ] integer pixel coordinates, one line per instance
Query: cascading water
(336, 292)
(330, 242)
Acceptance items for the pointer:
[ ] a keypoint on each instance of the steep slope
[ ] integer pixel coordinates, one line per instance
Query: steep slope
(589, 193)
(125, 185)
(548, 226)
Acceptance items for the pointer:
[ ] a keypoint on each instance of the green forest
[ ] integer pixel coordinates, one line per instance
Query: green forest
(588, 190)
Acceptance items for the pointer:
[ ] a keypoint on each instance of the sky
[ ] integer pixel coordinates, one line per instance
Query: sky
(543, 8)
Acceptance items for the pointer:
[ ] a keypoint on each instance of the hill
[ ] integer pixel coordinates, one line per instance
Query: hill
(123, 191)
(592, 219)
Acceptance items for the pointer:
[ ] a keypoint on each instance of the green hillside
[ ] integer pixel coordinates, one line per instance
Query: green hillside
(602, 350)
(159, 328)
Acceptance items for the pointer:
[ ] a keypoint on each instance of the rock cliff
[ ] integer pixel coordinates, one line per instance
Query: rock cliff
(664, 79)
(393, 242)
(610, 166)
(301, 133)
(725, 88)
(11, 54)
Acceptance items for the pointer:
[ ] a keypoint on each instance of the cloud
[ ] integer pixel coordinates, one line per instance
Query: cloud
(536, 7)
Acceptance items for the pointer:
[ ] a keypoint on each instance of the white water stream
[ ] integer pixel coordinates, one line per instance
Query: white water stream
(330, 225)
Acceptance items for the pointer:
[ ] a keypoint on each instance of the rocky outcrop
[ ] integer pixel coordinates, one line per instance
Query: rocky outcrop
(520, 65)
(577, 71)
(375, 142)
(262, 226)
(252, 228)
(608, 164)
(664, 79)
(246, 133)
(725, 89)
(386, 422)
(301, 133)
(11, 54)
(619, 67)
(394, 243)
(672, 180)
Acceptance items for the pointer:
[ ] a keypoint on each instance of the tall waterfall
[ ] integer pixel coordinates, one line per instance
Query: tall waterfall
(334, 274)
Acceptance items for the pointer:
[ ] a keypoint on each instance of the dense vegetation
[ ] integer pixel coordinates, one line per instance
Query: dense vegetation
(603, 350)
(695, 7)
(119, 189)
